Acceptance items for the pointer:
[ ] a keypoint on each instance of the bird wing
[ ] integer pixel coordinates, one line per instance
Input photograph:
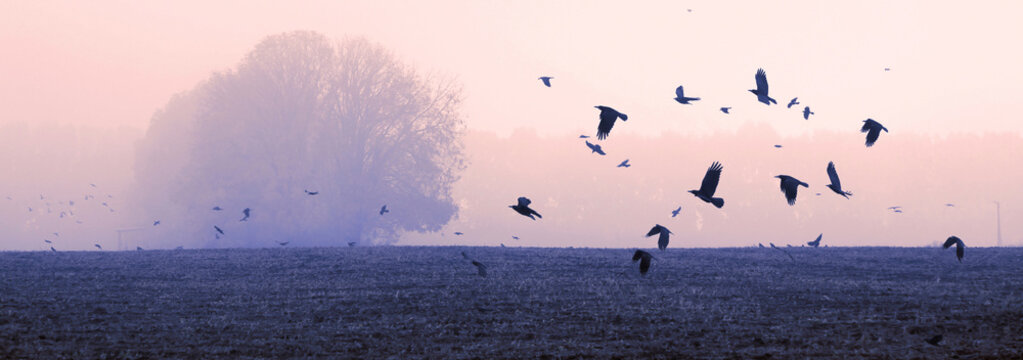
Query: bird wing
(872, 136)
(607, 121)
(868, 125)
(790, 187)
(834, 175)
(654, 231)
(678, 92)
(638, 255)
(591, 146)
(761, 81)
(710, 180)
(644, 265)
(952, 240)
(524, 201)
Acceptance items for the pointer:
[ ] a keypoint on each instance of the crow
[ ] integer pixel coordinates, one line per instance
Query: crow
(546, 80)
(950, 205)
(97, 246)
(725, 109)
(662, 240)
(761, 245)
(789, 185)
(283, 243)
(52, 249)
(515, 237)
(710, 185)
(217, 208)
(807, 113)
(138, 248)
(644, 260)
(584, 136)
(836, 184)
(246, 213)
(761, 90)
(351, 244)
(793, 102)
(307, 192)
(897, 211)
(595, 148)
(896, 207)
(217, 228)
(777, 146)
(383, 210)
(459, 233)
(523, 208)
(873, 130)
(675, 212)
(817, 242)
(960, 247)
(480, 268)
(157, 222)
(624, 164)
(681, 97)
(608, 116)
(47, 241)
(887, 69)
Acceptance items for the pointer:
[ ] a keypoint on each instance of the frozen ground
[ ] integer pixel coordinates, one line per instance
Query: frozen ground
(410, 302)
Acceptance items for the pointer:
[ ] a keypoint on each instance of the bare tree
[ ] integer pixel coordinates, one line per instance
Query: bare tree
(302, 111)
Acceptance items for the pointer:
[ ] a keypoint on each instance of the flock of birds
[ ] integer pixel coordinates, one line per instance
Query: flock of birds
(789, 185)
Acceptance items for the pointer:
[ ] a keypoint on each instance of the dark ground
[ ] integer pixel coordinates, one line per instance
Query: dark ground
(412, 302)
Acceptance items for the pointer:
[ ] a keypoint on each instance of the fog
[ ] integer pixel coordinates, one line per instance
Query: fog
(144, 105)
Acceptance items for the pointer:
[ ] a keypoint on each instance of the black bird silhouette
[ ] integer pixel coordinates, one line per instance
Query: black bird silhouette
(887, 69)
(546, 80)
(807, 113)
(515, 237)
(47, 241)
(710, 185)
(584, 136)
(138, 248)
(777, 146)
(794, 101)
(458, 233)
(836, 184)
(523, 208)
(52, 249)
(725, 109)
(675, 212)
(624, 164)
(246, 214)
(217, 228)
(608, 116)
(937, 338)
(789, 185)
(896, 207)
(817, 242)
(761, 245)
(681, 97)
(595, 148)
(480, 268)
(97, 246)
(761, 90)
(283, 243)
(351, 244)
(383, 210)
(662, 240)
(217, 208)
(307, 192)
(897, 211)
(644, 260)
(873, 130)
(960, 247)
(950, 205)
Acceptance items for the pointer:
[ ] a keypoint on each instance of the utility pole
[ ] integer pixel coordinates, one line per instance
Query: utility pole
(998, 216)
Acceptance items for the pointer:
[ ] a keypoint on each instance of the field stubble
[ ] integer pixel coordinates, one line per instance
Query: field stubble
(409, 302)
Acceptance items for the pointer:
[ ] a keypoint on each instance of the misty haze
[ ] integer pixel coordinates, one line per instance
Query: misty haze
(462, 179)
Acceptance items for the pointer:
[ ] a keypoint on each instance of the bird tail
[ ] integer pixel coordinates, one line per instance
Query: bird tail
(718, 202)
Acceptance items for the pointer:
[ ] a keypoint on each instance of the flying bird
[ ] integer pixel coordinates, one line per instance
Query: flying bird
(662, 240)
(897, 211)
(515, 237)
(761, 245)
(246, 213)
(681, 97)
(817, 242)
(675, 212)
(836, 184)
(283, 243)
(584, 136)
(960, 247)
(887, 69)
(351, 244)
(546, 80)
(307, 192)
(52, 249)
(789, 185)
(794, 101)
(97, 246)
(807, 113)
(937, 338)
(138, 248)
(157, 222)
(595, 148)
(383, 210)
(217, 208)
(873, 130)
(480, 268)
(47, 241)
(458, 233)
(523, 208)
(950, 205)
(608, 116)
(644, 260)
(710, 185)
(777, 146)
(624, 164)
(896, 207)
(761, 90)
(217, 228)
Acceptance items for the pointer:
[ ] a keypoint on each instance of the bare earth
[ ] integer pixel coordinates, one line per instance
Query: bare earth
(428, 302)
